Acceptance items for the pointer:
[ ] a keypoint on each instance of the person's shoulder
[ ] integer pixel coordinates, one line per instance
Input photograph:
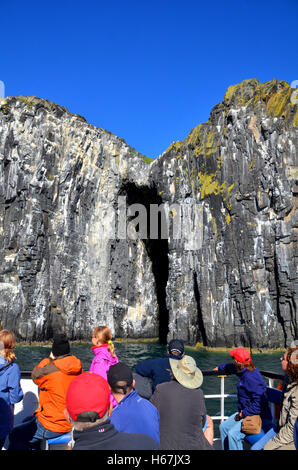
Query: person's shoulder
(163, 386)
(13, 369)
(98, 353)
(138, 441)
(255, 373)
(254, 377)
(292, 388)
(45, 361)
(15, 366)
(145, 402)
(199, 391)
(11, 365)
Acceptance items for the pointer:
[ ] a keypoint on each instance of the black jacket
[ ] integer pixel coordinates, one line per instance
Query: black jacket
(106, 437)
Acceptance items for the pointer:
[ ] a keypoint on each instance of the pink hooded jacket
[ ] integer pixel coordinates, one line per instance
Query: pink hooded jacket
(101, 363)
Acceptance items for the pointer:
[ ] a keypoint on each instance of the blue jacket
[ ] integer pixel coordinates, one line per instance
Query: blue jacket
(135, 414)
(156, 369)
(251, 391)
(10, 393)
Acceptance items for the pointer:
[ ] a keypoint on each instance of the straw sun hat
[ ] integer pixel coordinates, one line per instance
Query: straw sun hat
(186, 372)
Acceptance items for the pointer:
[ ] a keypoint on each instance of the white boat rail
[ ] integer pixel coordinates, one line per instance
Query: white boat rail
(222, 397)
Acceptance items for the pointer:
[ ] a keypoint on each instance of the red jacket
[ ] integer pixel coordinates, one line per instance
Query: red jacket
(53, 379)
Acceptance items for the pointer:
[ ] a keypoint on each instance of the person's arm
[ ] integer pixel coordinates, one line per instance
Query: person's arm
(209, 430)
(144, 368)
(14, 384)
(226, 368)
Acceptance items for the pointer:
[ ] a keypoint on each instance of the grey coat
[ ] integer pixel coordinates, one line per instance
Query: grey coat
(182, 417)
(284, 439)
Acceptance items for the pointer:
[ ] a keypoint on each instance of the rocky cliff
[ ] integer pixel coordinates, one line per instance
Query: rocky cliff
(78, 249)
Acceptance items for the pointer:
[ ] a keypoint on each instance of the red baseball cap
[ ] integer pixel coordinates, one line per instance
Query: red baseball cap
(241, 355)
(87, 392)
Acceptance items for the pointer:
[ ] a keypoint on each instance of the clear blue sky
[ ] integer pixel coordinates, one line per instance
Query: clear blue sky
(147, 70)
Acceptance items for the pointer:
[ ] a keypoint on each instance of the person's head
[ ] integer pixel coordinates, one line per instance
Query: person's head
(292, 363)
(242, 359)
(176, 347)
(7, 344)
(60, 346)
(87, 400)
(103, 335)
(284, 361)
(121, 380)
(186, 372)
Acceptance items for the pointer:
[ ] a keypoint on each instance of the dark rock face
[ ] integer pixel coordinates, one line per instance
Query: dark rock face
(229, 279)
(59, 178)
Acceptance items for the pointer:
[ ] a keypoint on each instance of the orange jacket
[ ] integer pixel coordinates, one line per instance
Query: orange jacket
(53, 379)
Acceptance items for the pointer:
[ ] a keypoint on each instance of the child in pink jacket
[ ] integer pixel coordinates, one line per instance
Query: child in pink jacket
(104, 353)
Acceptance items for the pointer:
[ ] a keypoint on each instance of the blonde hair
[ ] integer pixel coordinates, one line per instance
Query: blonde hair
(8, 339)
(104, 335)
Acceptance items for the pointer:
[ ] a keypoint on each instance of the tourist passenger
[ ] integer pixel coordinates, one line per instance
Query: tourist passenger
(159, 369)
(53, 376)
(182, 409)
(284, 439)
(104, 353)
(284, 365)
(10, 387)
(252, 399)
(282, 385)
(133, 413)
(87, 409)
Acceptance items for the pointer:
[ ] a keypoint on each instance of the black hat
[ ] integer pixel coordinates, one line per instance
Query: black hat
(60, 345)
(176, 345)
(120, 372)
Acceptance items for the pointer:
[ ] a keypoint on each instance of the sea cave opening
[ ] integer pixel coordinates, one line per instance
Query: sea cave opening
(156, 248)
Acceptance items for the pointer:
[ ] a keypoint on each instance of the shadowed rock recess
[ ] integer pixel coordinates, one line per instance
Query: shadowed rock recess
(61, 180)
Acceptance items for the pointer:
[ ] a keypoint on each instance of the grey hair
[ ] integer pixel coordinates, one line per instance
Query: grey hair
(81, 425)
